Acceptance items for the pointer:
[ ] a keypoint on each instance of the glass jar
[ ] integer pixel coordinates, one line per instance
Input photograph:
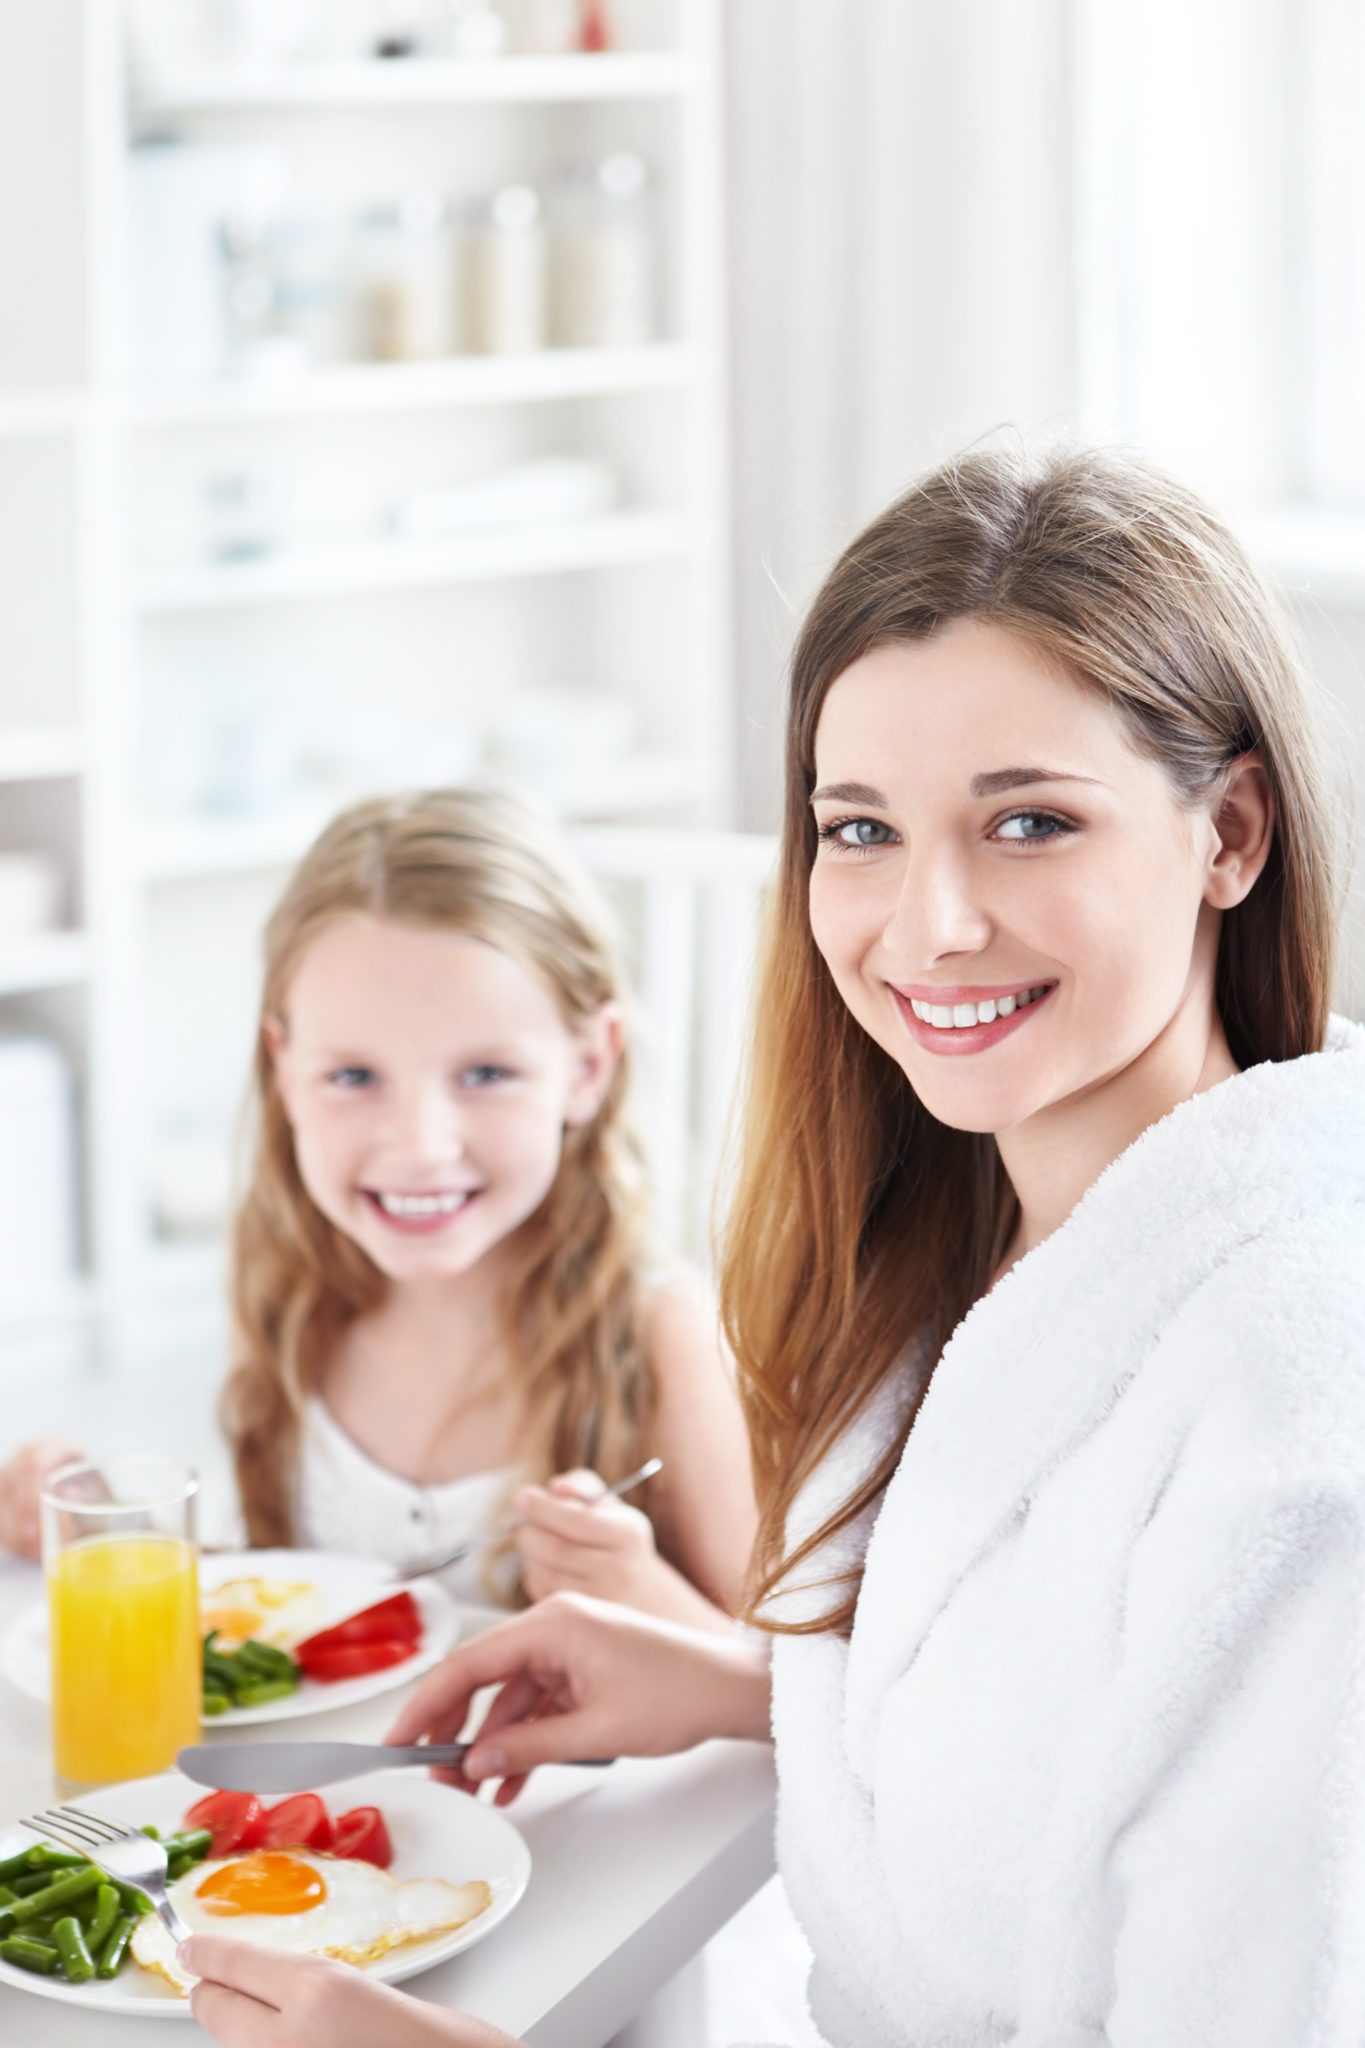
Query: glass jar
(508, 298)
(605, 257)
(406, 290)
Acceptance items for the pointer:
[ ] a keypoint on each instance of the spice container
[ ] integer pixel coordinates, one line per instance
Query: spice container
(604, 257)
(407, 294)
(508, 299)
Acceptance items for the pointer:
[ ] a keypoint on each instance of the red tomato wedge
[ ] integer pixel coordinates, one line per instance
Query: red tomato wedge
(395, 1620)
(299, 1822)
(233, 1818)
(361, 1833)
(328, 1662)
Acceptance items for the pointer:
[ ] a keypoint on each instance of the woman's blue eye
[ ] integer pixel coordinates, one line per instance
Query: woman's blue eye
(484, 1076)
(1053, 827)
(859, 835)
(352, 1077)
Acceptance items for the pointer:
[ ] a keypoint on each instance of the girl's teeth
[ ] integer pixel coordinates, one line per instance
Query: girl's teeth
(421, 1205)
(962, 1016)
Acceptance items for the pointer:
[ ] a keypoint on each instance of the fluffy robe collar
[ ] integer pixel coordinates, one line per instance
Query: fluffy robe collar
(1072, 1321)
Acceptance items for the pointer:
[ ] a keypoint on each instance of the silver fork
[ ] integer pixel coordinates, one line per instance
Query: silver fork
(122, 1853)
(467, 1549)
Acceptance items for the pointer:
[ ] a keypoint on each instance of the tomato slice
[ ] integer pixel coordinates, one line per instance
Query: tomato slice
(362, 1834)
(397, 1619)
(233, 1819)
(328, 1662)
(299, 1822)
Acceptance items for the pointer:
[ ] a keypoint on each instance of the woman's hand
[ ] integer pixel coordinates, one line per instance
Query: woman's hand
(251, 1997)
(20, 1481)
(584, 1678)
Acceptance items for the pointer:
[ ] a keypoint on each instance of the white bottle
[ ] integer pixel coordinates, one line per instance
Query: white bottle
(508, 274)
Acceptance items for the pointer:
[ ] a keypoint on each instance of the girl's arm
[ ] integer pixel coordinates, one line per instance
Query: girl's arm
(20, 1482)
(701, 1503)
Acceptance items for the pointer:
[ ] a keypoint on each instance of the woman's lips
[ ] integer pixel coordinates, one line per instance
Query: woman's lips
(955, 1042)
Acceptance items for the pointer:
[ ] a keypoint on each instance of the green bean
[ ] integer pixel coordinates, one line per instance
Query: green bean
(56, 1859)
(195, 1842)
(268, 1659)
(64, 1892)
(106, 1913)
(27, 1954)
(152, 1834)
(116, 1947)
(272, 1689)
(177, 1867)
(214, 1703)
(77, 1961)
(133, 1901)
(31, 1881)
(7, 1897)
(218, 1668)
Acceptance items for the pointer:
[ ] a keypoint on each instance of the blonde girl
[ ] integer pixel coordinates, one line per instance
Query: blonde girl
(447, 1308)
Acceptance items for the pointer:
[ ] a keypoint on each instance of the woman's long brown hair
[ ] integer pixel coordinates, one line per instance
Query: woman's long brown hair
(487, 865)
(858, 1221)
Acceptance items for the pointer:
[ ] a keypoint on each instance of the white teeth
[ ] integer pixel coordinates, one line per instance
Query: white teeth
(962, 1016)
(421, 1205)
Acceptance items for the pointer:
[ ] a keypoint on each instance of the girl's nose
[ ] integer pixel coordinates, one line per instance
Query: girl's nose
(937, 912)
(431, 1127)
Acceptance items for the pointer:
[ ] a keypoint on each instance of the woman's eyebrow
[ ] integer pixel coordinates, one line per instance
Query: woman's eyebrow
(998, 780)
(994, 783)
(850, 793)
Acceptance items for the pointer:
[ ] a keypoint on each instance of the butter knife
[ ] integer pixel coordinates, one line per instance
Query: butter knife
(303, 1766)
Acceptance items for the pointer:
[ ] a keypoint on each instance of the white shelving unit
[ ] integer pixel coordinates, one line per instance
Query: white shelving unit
(151, 991)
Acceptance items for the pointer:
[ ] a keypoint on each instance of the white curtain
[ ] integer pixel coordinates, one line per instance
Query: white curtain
(900, 255)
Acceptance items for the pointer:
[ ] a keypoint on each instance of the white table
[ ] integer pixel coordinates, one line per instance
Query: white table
(634, 1869)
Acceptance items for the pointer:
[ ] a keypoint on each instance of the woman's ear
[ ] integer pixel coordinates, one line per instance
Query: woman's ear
(597, 1052)
(1243, 820)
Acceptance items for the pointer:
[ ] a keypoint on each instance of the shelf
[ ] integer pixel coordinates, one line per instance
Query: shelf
(195, 849)
(1315, 552)
(40, 412)
(53, 960)
(420, 387)
(39, 753)
(424, 82)
(626, 538)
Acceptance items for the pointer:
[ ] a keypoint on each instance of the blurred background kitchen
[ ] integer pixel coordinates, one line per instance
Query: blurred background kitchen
(393, 391)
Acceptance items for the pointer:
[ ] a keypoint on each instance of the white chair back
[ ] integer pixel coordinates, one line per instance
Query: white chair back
(689, 905)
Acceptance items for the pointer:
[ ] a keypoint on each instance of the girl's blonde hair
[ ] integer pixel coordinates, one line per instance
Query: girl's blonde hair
(858, 1220)
(489, 866)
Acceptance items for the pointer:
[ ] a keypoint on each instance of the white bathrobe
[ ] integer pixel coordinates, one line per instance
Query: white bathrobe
(1091, 1769)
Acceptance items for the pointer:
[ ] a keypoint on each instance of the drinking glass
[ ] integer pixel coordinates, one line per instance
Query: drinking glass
(123, 1610)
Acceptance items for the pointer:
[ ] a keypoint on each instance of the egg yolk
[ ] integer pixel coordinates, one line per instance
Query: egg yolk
(238, 1623)
(266, 1882)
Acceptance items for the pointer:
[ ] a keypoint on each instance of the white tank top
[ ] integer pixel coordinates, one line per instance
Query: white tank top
(346, 1501)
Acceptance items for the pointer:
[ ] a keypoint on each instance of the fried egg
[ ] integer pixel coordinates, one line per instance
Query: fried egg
(267, 1610)
(306, 1904)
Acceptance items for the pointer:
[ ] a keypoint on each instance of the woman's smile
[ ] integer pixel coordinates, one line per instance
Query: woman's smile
(956, 1021)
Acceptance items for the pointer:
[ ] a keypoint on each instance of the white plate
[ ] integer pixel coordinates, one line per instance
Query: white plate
(435, 1833)
(346, 1584)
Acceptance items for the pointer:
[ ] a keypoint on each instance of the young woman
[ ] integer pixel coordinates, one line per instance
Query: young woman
(1047, 1280)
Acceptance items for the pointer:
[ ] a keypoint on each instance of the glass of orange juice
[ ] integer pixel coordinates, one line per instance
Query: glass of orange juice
(123, 1614)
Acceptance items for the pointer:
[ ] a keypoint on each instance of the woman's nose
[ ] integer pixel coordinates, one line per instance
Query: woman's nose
(937, 912)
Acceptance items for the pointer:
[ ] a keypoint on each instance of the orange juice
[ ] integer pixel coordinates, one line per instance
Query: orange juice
(124, 1615)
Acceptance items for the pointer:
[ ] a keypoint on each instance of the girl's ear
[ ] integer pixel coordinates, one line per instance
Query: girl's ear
(596, 1053)
(1244, 825)
(277, 1047)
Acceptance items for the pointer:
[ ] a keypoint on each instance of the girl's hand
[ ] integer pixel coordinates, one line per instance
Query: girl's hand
(20, 1481)
(575, 1541)
(584, 1678)
(251, 1997)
